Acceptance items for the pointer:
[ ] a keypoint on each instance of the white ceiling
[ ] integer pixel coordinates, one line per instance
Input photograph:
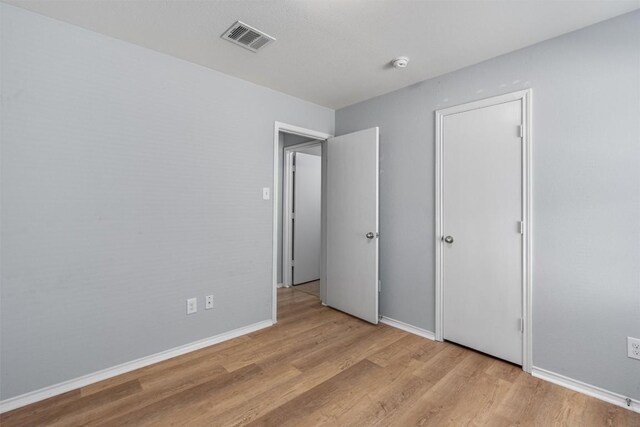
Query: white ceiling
(334, 52)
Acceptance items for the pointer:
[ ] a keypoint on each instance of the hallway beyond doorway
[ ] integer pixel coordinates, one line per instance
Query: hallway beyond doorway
(311, 288)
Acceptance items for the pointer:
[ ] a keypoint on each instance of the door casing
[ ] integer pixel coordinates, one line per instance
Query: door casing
(525, 97)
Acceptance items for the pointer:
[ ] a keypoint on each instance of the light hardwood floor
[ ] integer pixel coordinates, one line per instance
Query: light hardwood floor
(321, 367)
(311, 288)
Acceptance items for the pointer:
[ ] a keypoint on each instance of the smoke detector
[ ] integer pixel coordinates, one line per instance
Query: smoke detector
(246, 36)
(400, 62)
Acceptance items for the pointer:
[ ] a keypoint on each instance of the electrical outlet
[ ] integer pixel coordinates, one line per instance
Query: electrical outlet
(192, 305)
(208, 302)
(633, 347)
(266, 193)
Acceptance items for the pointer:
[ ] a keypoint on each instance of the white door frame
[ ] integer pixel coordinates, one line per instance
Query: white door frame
(295, 130)
(287, 185)
(525, 97)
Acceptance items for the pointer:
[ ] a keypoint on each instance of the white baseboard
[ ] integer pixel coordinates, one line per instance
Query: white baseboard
(280, 285)
(63, 387)
(408, 328)
(584, 388)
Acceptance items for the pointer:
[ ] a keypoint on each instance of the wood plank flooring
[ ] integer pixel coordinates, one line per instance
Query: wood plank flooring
(311, 288)
(322, 367)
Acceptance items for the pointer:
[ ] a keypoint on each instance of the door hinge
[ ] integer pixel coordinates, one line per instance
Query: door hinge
(293, 215)
(521, 131)
(521, 325)
(293, 168)
(293, 263)
(379, 285)
(521, 227)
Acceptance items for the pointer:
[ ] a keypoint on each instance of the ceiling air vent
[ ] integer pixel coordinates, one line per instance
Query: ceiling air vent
(247, 36)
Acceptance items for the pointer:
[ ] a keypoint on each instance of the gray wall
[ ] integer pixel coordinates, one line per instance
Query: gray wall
(131, 181)
(586, 166)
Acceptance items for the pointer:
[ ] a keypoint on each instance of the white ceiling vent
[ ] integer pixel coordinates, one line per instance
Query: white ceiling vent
(247, 36)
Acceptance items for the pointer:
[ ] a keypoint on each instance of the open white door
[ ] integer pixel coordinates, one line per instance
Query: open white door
(306, 248)
(352, 224)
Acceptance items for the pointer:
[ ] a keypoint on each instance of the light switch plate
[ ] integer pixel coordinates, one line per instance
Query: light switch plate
(633, 347)
(266, 193)
(192, 305)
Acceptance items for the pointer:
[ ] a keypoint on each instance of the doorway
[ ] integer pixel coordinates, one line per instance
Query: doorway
(291, 136)
(349, 235)
(483, 226)
(302, 214)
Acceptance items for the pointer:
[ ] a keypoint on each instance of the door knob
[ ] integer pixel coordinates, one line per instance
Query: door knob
(448, 239)
(370, 235)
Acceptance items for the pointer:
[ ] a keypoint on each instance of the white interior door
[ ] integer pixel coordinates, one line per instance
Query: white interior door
(482, 248)
(306, 248)
(352, 224)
